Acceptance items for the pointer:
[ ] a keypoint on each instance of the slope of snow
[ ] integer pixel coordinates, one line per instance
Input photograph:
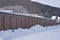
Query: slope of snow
(36, 32)
(55, 3)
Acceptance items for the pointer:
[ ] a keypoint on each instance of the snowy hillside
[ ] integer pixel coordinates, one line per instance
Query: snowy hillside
(36, 32)
(55, 3)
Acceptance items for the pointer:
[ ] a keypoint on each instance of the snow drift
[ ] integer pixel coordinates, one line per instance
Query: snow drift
(36, 32)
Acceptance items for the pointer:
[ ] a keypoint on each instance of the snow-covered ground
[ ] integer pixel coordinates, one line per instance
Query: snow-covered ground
(36, 32)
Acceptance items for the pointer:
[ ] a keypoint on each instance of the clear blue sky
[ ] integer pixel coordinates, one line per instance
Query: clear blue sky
(55, 3)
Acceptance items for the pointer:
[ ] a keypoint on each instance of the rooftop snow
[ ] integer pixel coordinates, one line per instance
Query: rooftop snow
(55, 3)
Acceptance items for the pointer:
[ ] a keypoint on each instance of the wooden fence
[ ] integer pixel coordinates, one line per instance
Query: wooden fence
(8, 21)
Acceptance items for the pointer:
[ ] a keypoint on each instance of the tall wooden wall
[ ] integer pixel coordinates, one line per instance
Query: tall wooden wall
(9, 21)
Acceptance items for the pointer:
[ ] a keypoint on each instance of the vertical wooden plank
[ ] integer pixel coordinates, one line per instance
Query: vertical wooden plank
(23, 22)
(1, 22)
(16, 22)
(10, 22)
(27, 22)
(31, 21)
(19, 22)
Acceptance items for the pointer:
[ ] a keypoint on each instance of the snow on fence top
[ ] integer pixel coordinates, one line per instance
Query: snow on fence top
(32, 15)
